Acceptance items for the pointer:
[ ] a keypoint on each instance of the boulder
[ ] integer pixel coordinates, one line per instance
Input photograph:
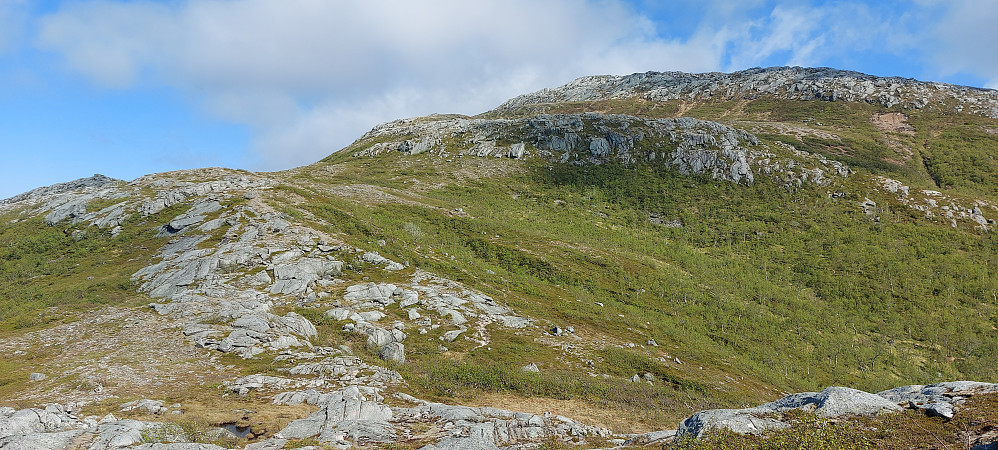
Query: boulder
(294, 323)
(736, 420)
(833, 402)
(393, 352)
(516, 150)
(450, 336)
(830, 403)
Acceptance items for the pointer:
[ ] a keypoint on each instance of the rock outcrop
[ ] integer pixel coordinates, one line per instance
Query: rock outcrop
(687, 145)
(58, 427)
(940, 399)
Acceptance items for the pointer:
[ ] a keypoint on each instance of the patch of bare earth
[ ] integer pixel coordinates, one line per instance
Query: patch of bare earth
(112, 353)
(894, 122)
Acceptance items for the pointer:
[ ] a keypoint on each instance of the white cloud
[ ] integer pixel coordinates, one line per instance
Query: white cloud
(13, 16)
(310, 76)
(964, 40)
(815, 35)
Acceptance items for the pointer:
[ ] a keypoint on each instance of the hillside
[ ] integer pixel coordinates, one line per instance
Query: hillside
(585, 265)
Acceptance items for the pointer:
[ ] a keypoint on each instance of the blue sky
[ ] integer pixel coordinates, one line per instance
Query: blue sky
(127, 88)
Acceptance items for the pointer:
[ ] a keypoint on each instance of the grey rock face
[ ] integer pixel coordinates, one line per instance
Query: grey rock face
(350, 414)
(296, 277)
(244, 385)
(69, 210)
(37, 441)
(691, 146)
(193, 216)
(221, 294)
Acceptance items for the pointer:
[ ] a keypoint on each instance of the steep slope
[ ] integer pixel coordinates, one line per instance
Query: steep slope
(591, 251)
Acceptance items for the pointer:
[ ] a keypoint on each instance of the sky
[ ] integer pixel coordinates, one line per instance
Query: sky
(130, 87)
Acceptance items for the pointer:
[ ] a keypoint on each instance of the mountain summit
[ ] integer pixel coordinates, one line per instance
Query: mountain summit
(617, 262)
(789, 83)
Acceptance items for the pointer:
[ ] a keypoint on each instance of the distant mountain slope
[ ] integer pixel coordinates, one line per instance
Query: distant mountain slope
(602, 264)
(791, 83)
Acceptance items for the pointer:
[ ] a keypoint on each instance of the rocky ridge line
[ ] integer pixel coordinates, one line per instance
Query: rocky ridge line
(792, 83)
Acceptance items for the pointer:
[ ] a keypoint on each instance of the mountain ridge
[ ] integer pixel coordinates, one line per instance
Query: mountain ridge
(786, 82)
(632, 268)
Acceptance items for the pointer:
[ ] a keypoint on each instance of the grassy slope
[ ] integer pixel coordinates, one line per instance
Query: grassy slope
(791, 288)
(763, 290)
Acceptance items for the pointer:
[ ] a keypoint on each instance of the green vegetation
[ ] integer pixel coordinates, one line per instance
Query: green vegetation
(191, 430)
(50, 272)
(762, 289)
(792, 287)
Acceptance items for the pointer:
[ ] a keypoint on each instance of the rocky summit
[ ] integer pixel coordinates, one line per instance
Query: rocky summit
(659, 259)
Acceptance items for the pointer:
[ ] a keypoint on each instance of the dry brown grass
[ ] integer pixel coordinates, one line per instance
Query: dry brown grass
(111, 353)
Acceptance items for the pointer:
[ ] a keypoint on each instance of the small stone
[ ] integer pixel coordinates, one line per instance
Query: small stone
(556, 331)
(652, 343)
(450, 336)
(37, 376)
(530, 368)
(940, 409)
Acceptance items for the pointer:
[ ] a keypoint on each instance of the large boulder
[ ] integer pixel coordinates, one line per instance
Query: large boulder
(740, 421)
(831, 402)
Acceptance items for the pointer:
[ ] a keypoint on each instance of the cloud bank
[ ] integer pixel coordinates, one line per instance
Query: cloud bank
(308, 76)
